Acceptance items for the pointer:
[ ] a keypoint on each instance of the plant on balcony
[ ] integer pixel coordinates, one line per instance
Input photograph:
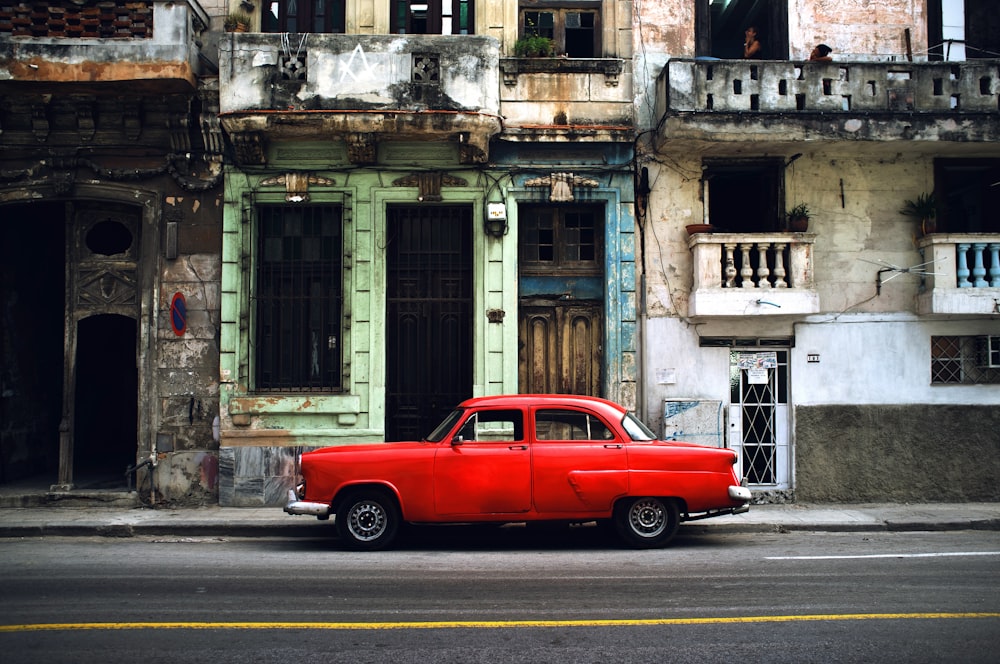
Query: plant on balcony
(533, 46)
(924, 209)
(798, 218)
(237, 21)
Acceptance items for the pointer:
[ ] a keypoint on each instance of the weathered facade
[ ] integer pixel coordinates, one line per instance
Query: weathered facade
(855, 360)
(475, 216)
(222, 247)
(110, 178)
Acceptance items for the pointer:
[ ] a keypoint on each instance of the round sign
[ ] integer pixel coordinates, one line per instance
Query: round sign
(178, 314)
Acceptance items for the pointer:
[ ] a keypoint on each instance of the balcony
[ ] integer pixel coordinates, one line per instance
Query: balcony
(71, 47)
(567, 99)
(752, 274)
(921, 104)
(964, 274)
(359, 89)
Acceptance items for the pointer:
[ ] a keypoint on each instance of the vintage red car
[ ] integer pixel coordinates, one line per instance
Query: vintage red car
(521, 458)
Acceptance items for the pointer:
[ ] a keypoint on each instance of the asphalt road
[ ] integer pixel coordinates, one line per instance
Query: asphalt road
(505, 595)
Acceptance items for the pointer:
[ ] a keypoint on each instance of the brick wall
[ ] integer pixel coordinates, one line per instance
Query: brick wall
(112, 19)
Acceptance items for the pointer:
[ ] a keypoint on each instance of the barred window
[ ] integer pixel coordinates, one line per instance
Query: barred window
(298, 298)
(965, 360)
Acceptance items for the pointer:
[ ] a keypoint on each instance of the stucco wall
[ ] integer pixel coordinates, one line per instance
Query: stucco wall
(911, 453)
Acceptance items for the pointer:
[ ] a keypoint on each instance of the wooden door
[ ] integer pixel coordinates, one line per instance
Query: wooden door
(560, 348)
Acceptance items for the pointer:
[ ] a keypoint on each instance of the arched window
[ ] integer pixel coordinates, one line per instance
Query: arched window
(303, 16)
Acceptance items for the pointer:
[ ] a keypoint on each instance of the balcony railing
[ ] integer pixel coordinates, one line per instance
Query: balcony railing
(739, 274)
(74, 43)
(838, 100)
(362, 88)
(962, 274)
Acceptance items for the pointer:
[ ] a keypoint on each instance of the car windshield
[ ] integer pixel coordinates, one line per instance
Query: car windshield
(447, 425)
(636, 429)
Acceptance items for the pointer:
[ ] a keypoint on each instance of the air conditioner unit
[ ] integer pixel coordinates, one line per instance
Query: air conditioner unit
(988, 352)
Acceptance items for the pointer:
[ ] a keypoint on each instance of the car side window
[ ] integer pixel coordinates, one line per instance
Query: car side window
(558, 424)
(493, 426)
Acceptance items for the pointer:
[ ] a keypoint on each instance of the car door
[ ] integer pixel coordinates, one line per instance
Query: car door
(485, 468)
(579, 462)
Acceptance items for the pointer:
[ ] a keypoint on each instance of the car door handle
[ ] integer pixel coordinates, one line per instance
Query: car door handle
(613, 447)
(518, 447)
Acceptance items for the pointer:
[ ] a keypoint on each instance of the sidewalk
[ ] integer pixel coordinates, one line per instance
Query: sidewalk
(273, 522)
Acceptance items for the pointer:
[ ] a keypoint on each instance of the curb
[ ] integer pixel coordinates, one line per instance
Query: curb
(83, 528)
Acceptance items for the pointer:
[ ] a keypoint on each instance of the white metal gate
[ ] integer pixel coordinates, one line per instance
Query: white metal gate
(758, 416)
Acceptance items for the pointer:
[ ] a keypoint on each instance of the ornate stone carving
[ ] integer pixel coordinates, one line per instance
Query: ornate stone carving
(429, 184)
(561, 185)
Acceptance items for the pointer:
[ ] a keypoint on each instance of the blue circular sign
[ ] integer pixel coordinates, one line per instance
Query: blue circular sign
(178, 314)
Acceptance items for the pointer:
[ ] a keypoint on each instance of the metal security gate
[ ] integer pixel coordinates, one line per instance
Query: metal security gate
(758, 416)
(429, 316)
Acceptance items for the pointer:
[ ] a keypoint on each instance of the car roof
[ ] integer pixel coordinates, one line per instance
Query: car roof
(523, 400)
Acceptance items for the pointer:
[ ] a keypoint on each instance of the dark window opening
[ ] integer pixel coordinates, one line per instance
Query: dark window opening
(297, 340)
(433, 17)
(745, 198)
(968, 195)
(720, 28)
(303, 16)
(574, 31)
(981, 31)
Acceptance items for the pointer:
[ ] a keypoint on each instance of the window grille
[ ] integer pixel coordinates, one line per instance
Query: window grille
(298, 298)
(965, 360)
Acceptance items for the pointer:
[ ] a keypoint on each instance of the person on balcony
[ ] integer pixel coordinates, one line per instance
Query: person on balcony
(752, 45)
(821, 54)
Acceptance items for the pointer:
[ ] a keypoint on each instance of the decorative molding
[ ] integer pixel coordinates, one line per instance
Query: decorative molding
(611, 68)
(361, 149)
(561, 185)
(249, 148)
(429, 184)
(297, 184)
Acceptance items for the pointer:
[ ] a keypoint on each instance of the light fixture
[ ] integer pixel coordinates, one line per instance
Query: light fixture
(496, 219)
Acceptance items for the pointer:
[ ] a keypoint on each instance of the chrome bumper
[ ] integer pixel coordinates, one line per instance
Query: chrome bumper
(296, 506)
(740, 493)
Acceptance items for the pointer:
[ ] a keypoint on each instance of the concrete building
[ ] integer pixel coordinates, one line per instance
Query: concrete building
(414, 217)
(855, 360)
(318, 223)
(110, 203)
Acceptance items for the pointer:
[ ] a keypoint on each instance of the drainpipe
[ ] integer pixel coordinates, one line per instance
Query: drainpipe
(133, 471)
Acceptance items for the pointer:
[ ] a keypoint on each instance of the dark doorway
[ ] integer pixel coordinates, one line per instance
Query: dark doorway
(720, 28)
(745, 197)
(428, 316)
(32, 293)
(105, 413)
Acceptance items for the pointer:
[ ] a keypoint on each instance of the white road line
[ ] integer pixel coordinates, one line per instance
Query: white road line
(890, 555)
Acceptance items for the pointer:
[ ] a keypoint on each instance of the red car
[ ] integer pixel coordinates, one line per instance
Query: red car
(521, 458)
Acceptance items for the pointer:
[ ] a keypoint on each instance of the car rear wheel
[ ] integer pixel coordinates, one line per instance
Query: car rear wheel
(648, 522)
(368, 520)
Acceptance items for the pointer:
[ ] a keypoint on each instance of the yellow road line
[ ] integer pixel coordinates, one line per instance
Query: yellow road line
(488, 624)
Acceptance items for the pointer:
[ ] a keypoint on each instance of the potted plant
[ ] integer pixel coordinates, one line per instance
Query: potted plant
(798, 218)
(923, 208)
(533, 46)
(237, 21)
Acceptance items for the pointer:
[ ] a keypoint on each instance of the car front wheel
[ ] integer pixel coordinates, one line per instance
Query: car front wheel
(368, 520)
(646, 523)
